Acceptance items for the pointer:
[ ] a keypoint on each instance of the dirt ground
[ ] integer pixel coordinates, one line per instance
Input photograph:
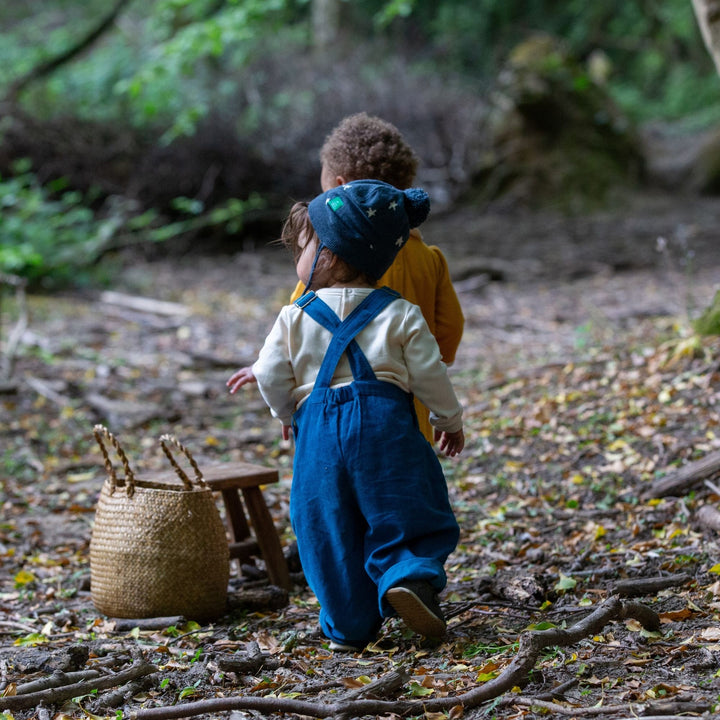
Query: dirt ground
(583, 388)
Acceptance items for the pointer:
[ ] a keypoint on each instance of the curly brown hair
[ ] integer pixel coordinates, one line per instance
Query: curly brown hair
(364, 146)
(297, 224)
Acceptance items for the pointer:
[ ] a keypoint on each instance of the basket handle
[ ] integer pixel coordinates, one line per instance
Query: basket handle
(166, 440)
(102, 434)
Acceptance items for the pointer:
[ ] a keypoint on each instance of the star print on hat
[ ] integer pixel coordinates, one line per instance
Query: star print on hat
(367, 222)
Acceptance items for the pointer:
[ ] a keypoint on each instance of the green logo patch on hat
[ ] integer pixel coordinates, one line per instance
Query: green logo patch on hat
(335, 203)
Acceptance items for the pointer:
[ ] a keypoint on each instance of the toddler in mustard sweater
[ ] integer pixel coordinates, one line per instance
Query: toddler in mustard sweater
(361, 147)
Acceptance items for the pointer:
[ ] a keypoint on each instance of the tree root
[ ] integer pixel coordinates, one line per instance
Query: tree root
(250, 664)
(642, 613)
(57, 679)
(646, 711)
(517, 674)
(153, 623)
(55, 695)
(648, 586)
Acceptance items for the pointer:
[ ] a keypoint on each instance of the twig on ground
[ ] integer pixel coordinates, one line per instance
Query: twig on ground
(17, 625)
(252, 662)
(580, 561)
(671, 717)
(52, 696)
(663, 710)
(57, 679)
(559, 690)
(710, 484)
(644, 615)
(636, 587)
(3, 675)
(154, 623)
(380, 687)
(120, 695)
(144, 304)
(685, 478)
(8, 359)
(44, 390)
(517, 674)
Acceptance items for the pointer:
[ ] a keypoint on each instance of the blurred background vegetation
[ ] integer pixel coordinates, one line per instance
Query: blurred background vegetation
(193, 123)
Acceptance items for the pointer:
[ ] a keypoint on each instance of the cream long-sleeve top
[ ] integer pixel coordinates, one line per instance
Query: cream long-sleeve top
(397, 343)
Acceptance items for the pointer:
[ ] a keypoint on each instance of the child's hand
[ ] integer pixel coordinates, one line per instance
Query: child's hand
(451, 443)
(242, 377)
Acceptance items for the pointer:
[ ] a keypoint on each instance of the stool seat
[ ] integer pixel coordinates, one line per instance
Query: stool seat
(238, 475)
(232, 480)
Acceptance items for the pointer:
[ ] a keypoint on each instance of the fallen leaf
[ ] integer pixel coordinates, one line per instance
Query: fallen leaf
(23, 578)
(711, 633)
(675, 615)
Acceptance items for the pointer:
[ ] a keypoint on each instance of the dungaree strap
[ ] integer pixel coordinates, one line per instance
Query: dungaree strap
(344, 332)
(321, 313)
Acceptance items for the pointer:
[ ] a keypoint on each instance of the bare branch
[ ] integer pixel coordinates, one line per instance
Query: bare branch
(57, 679)
(516, 674)
(636, 587)
(52, 696)
(686, 477)
(663, 710)
(49, 66)
(8, 359)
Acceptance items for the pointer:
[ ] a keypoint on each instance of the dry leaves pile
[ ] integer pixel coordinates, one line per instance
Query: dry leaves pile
(580, 588)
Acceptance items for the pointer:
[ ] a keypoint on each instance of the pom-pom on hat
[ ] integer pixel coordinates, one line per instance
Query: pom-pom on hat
(366, 222)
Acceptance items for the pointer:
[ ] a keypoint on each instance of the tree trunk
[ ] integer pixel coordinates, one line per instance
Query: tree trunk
(708, 17)
(707, 13)
(325, 24)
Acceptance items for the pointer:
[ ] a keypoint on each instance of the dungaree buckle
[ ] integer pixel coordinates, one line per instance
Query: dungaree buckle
(306, 299)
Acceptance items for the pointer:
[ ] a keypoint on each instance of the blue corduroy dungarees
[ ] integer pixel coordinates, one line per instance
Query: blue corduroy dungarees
(369, 503)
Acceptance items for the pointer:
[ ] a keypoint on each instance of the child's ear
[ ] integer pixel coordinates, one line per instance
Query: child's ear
(340, 180)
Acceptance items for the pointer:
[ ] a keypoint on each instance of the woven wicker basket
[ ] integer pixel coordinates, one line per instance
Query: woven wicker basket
(157, 549)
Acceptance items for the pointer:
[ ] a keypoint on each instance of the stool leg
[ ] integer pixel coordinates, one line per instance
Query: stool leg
(237, 523)
(267, 537)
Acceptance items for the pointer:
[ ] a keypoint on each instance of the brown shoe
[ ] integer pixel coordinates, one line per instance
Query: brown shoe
(416, 603)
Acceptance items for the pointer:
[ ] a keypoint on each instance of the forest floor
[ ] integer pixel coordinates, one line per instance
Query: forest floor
(581, 586)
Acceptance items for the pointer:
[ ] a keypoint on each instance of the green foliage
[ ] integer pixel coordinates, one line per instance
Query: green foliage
(47, 231)
(31, 640)
(31, 33)
(658, 65)
(167, 65)
(169, 62)
(709, 322)
(187, 54)
(475, 649)
(50, 236)
(392, 10)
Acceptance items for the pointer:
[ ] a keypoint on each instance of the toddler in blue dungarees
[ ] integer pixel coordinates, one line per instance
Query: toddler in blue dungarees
(369, 502)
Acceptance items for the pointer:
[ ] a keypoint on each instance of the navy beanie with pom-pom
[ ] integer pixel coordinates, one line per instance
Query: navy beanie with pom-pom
(366, 222)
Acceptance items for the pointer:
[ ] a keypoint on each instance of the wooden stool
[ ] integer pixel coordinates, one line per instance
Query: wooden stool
(231, 479)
